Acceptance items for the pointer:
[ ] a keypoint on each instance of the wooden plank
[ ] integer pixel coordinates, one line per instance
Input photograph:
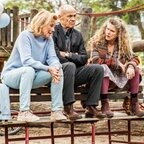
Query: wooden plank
(46, 119)
(36, 98)
(43, 94)
(122, 95)
(11, 123)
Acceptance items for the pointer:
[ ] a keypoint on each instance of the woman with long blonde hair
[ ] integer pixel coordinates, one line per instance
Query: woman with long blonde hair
(111, 47)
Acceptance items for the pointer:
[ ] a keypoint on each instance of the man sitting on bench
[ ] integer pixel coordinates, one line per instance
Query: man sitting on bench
(70, 49)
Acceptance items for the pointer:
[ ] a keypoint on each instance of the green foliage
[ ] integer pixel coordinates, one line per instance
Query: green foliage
(134, 3)
(97, 5)
(132, 17)
(27, 5)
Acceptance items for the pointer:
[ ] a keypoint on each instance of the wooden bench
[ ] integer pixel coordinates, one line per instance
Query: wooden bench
(42, 94)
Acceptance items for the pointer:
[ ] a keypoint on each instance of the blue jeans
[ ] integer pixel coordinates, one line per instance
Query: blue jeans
(5, 113)
(26, 78)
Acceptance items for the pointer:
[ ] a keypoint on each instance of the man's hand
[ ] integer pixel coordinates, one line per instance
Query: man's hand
(130, 72)
(64, 54)
(55, 74)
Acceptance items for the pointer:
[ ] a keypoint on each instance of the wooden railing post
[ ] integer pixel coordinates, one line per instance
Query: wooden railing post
(9, 30)
(85, 24)
(33, 13)
(15, 23)
(1, 65)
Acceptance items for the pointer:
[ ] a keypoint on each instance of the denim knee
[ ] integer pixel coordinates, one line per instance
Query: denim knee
(29, 71)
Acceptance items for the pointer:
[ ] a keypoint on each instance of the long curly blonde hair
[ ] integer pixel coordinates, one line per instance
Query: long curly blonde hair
(124, 43)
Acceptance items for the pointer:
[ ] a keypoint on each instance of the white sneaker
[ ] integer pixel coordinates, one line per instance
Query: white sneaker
(57, 116)
(27, 116)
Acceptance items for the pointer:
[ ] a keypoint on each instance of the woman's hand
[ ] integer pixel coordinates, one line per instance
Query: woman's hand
(130, 72)
(122, 67)
(55, 74)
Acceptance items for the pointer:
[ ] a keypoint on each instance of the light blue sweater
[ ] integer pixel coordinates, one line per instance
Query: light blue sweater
(36, 52)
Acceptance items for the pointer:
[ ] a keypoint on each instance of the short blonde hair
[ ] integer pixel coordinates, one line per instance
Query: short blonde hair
(41, 19)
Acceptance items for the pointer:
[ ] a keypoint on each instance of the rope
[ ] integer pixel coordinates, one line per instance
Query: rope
(133, 9)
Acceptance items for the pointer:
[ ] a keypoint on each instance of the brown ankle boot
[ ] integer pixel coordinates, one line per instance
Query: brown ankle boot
(105, 108)
(126, 105)
(92, 112)
(135, 108)
(83, 103)
(70, 113)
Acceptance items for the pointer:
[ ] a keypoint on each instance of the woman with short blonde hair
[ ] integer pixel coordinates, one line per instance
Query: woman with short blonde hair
(33, 63)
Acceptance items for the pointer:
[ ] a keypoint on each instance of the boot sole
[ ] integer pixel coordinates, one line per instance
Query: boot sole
(72, 118)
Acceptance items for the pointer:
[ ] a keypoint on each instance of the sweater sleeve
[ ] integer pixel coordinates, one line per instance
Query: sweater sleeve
(94, 55)
(25, 49)
(134, 61)
(52, 59)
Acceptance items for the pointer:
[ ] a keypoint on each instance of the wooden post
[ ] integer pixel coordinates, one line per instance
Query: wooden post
(94, 26)
(3, 35)
(1, 65)
(9, 31)
(15, 23)
(33, 13)
(85, 24)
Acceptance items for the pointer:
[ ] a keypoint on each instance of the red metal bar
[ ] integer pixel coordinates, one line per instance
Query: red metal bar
(109, 131)
(26, 135)
(119, 141)
(6, 134)
(129, 131)
(93, 133)
(52, 133)
(72, 133)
